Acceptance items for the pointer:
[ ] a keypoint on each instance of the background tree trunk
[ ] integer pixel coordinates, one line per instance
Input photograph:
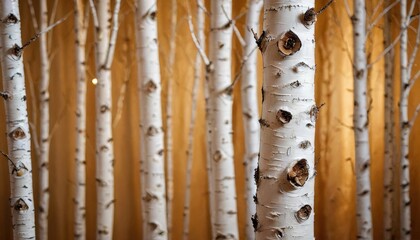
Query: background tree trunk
(17, 128)
(197, 76)
(250, 109)
(360, 123)
(104, 50)
(225, 221)
(149, 87)
(389, 145)
(80, 29)
(44, 126)
(285, 175)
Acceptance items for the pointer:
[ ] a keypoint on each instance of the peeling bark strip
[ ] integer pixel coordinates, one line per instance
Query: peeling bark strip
(250, 109)
(225, 225)
(287, 127)
(17, 128)
(105, 38)
(360, 123)
(153, 174)
(80, 29)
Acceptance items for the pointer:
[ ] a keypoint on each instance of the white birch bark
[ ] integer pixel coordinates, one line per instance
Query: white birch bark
(149, 88)
(197, 76)
(389, 145)
(285, 174)
(360, 123)
(168, 135)
(44, 119)
(225, 221)
(17, 127)
(105, 39)
(80, 29)
(250, 109)
(405, 218)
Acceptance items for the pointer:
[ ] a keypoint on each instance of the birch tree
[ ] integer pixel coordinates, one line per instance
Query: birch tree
(407, 81)
(44, 125)
(389, 144)
(250, 109)
(221, 152)
(17, 127)
(168, 135)
(149, 87)
(198, 65)
(105, 39)
(285, 173)
(360, 123)
(80, 29)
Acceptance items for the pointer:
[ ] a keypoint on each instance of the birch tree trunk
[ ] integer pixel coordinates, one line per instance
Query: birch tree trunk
(17, 127)
(169, 157)
(250, 109)
(44, 119)
(197, 76)
(389, 144)
(285, 175)
(80, 29)
(405, 220)
(104, 50)
(149, 87)
(360, 123)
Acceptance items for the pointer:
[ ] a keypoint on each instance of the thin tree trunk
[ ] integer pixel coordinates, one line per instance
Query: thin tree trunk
(285, 175)
(250, 109)
(389, 153)
(197, 76)
(226, 219)
(405, 220)
(360, 122)
(149, 85)
(44, 143)
(169, 157)
(80, 29)
(17, 127)
(105, 39)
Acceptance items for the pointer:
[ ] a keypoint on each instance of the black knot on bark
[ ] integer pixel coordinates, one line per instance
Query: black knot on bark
(20, 206)
(17, 134)
(289, 43)
(11, 19)
(150, 86)
(298, 172)
(283, 116)
(309, 17)
(303, 213)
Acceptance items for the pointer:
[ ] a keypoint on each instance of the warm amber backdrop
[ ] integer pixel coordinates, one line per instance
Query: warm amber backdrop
(334, 153)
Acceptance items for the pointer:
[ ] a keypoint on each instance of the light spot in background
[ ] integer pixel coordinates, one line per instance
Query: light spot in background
(94, 81)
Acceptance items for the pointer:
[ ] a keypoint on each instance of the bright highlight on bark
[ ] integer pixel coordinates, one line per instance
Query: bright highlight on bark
(285, 175)
(17, 129)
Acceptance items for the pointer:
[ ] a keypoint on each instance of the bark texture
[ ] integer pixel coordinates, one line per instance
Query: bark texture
(168, 135)
(250, 109)
(80, 29)
(285, 175)
(221, 153)
(105, 38)
(198, 67)
(149, 87)
(17, 128)
(389, 145)
(360, 123)
(44, 126)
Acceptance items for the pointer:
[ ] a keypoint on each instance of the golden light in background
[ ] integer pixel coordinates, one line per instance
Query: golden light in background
(94, 81)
